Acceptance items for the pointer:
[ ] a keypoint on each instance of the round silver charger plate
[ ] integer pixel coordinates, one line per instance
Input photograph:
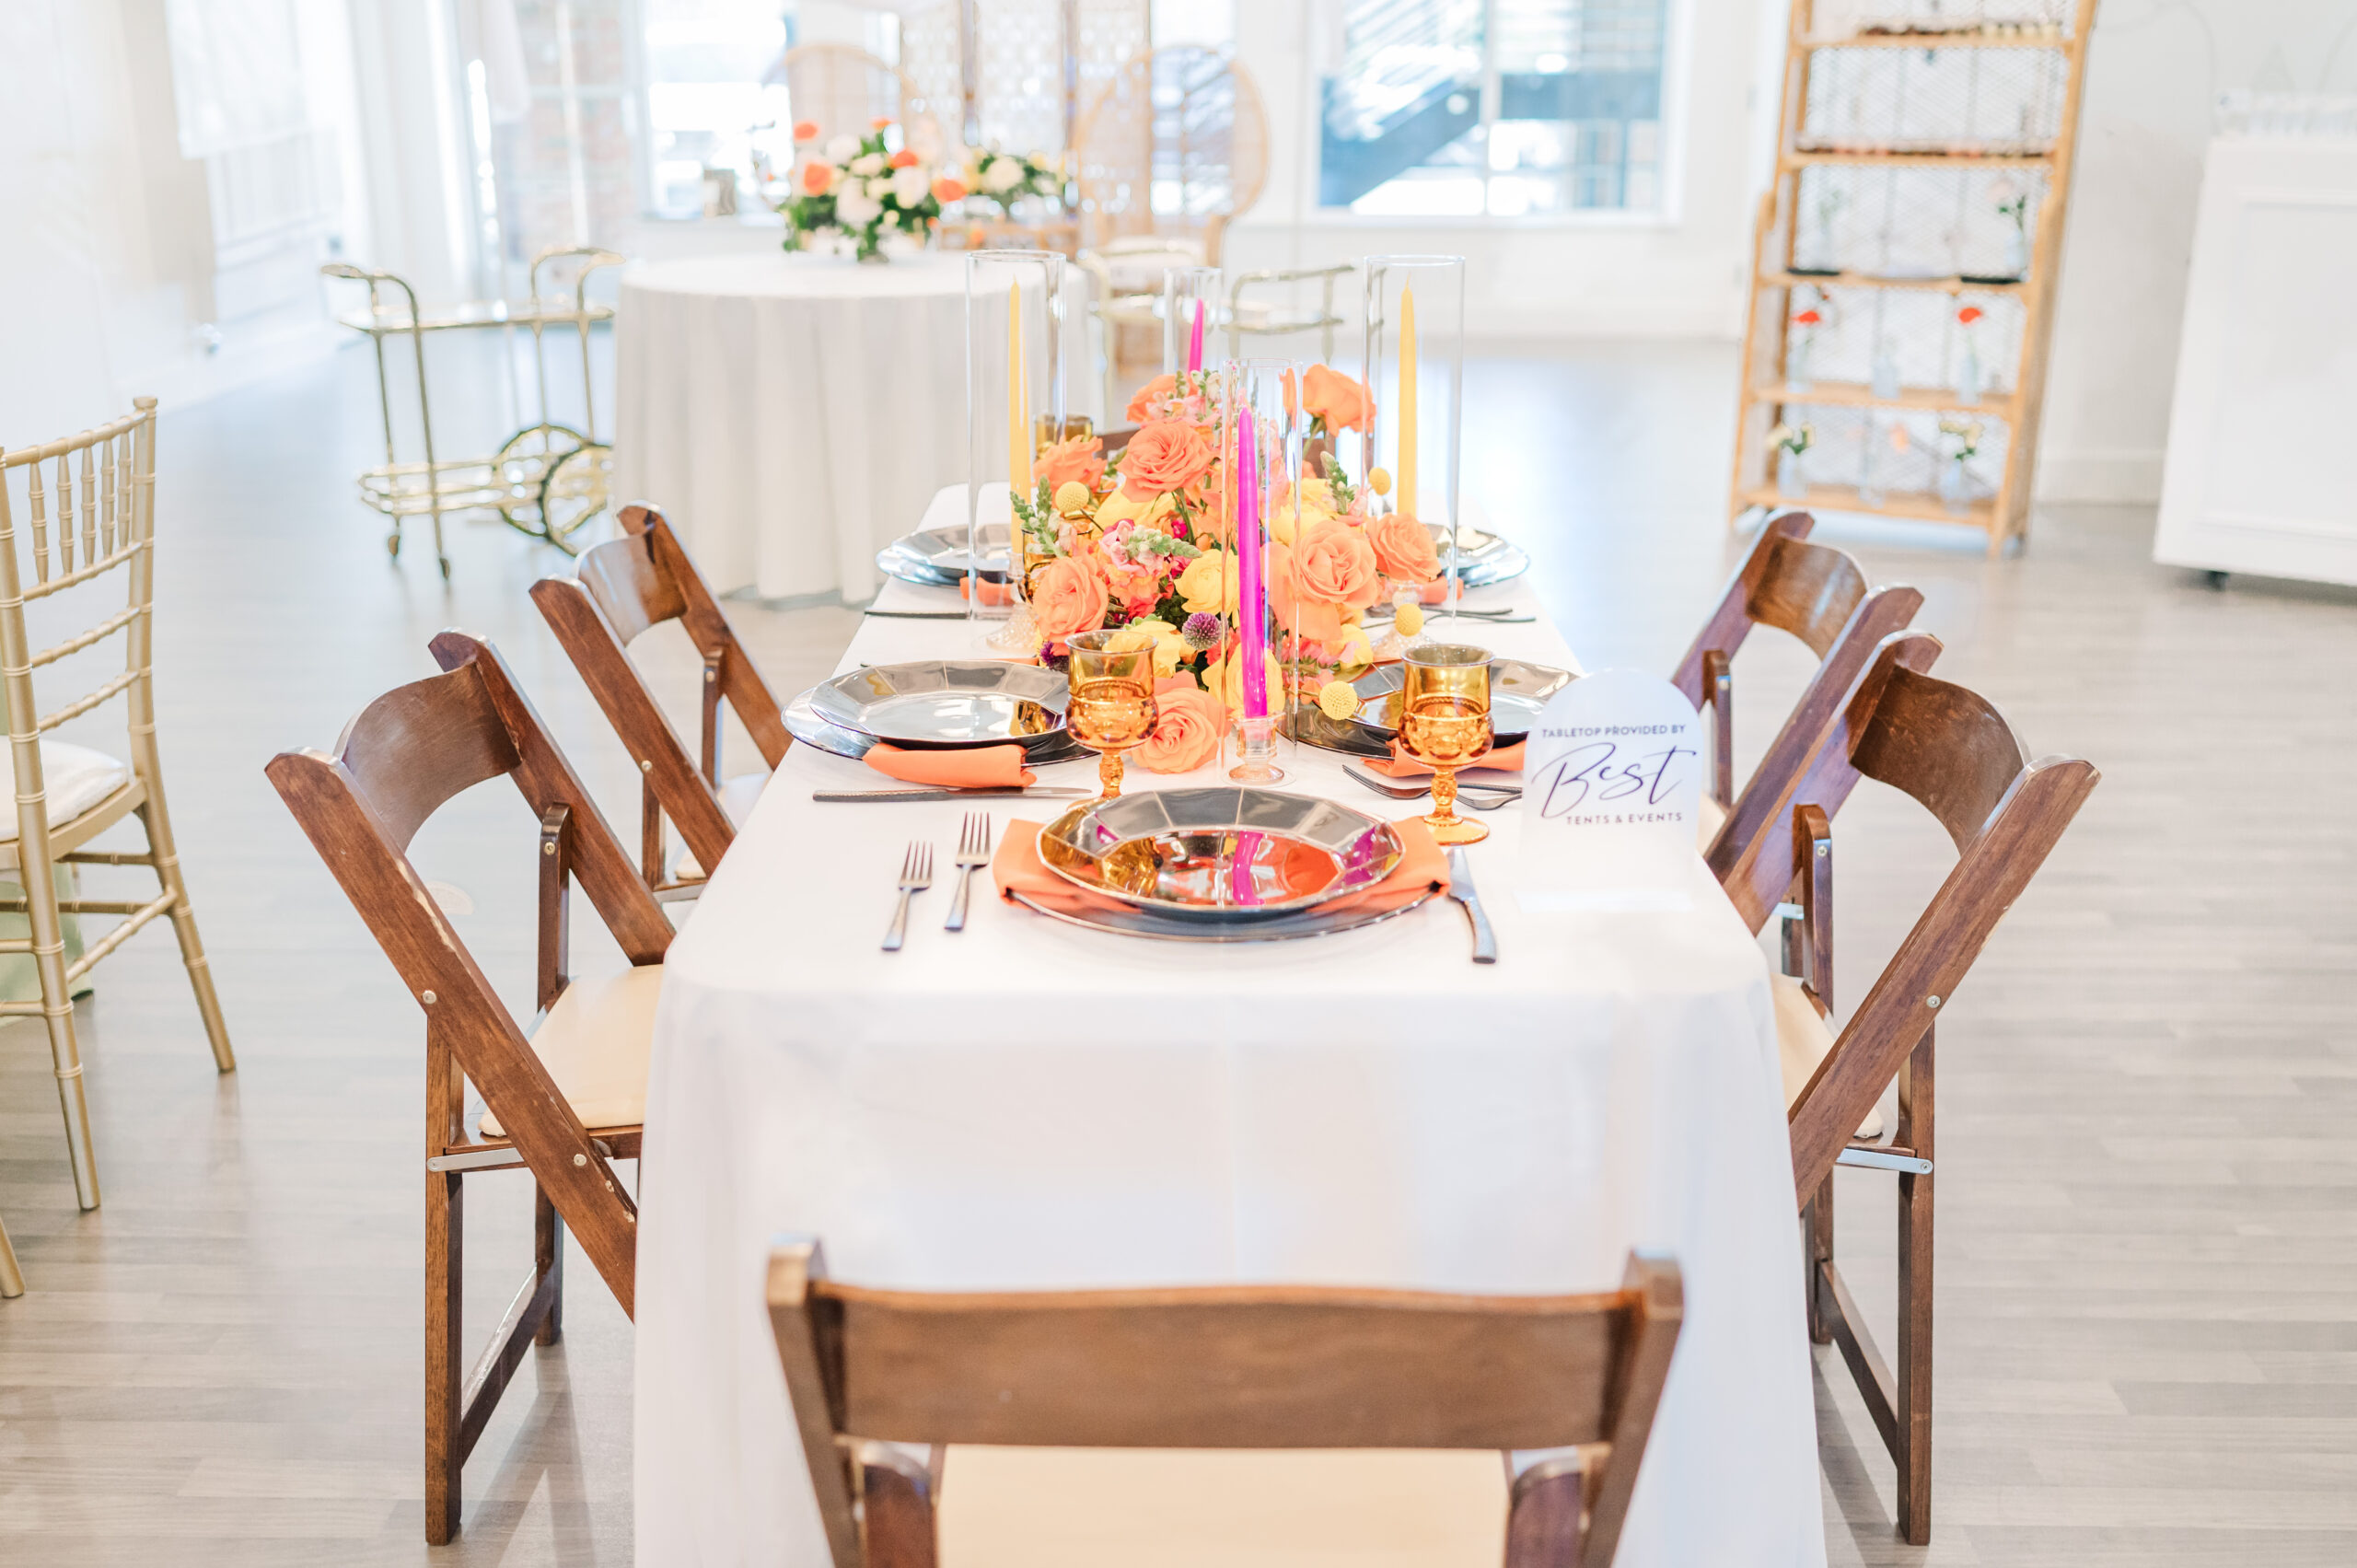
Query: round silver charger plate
(1518, 694)
(1161, 927)
(937, 557)
(1223, 853)
(802, 723)
(943, 703)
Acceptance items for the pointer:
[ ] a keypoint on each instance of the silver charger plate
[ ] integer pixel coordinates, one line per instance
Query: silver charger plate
(1518, 694)
(1223, 853)
(1129, 921)
(943, 703)
(939, 557)
(802, 723)
(1482, 559)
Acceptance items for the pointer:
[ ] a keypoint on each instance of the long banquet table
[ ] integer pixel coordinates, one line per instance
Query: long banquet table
(1025, 1105)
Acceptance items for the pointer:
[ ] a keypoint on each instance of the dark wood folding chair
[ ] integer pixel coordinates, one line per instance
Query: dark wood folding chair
(1246, 1367)
(1950, 750)
(621, 589)
(560, 1095)
(1817, 593)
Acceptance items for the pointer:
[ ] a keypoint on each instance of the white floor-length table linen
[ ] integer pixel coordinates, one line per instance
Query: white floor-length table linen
(790, 414)
(1025, 1105)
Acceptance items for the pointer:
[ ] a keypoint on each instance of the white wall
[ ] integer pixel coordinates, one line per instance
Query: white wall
(1676, 274)
(2153, 70)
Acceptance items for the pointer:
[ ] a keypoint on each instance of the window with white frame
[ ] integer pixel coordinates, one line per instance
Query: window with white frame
(1494, 107)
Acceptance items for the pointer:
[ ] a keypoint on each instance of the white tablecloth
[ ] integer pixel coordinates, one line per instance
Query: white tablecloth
(1025, 1105)
(791, 413)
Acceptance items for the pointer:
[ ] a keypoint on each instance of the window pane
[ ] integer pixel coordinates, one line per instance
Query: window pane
(1508, 107)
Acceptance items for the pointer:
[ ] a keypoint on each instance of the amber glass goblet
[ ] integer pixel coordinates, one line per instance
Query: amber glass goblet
(1445, 725)
(1112, 699)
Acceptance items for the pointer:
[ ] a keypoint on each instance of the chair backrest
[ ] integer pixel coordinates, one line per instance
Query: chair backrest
(404, 756)
(1176, 143)
(843, 89)
(620, 590)
(1819, 595)
(1223, 1368)
(1951, 750)
(89, 510)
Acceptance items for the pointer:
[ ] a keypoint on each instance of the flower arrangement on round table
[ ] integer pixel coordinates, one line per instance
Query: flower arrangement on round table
(1005, 178)
(862, 191)
(1139, 541)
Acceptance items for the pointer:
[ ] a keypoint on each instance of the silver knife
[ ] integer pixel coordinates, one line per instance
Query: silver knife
(1039, 793)
(1461, 888)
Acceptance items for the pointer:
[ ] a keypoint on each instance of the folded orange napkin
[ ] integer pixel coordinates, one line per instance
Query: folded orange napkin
(982, 767)
(1505, 759)
(992, 593)
(1433, 591)
(1017, 868)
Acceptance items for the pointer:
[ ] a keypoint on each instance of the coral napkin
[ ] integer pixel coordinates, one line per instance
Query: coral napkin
(1505, 759)
(982, 767)
(1017, 868)
(992, 593)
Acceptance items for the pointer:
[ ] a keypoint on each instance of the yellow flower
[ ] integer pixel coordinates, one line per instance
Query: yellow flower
(1129, 639)
(1225, 676)
(1168, 646)
(1118, 508)
(1337, 700)
(1379, 480)
(1357, 652)
(1295, 515)
(1200, 583)
(1319, 494)
(1073, 496)
(1407, 620)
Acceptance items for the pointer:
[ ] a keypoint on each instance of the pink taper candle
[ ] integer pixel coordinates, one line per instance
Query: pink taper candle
(1252, 588)
(1195, 342)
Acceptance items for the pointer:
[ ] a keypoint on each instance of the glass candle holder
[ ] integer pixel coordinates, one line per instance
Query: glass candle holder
(1445, 725)
(1014, 407)
(1111, 708)
(1415, 369)
(1191, 319)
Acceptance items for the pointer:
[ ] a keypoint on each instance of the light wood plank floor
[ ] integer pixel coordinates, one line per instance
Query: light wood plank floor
(2148, 1286)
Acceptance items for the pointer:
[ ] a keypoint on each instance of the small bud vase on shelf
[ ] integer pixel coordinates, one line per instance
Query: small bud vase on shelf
(1798, 352)
(1885, 376)
(1956, 484)
(1968, 379)
(1792, 474)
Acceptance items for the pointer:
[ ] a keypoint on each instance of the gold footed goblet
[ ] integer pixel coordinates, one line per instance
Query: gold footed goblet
(1445, 725)
(1112, 699)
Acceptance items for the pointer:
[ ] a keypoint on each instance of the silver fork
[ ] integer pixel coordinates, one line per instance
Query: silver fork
(973, 854)
(916, 876)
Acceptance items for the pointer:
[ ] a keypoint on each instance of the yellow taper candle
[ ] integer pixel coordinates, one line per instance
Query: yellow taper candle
(1019, 410)
(1404, 498)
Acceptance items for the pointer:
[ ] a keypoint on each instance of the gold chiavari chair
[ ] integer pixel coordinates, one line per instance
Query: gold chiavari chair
(94, 516)
(1559, 1391)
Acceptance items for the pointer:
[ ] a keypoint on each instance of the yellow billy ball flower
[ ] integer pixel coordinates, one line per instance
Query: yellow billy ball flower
(1379, 480)
(1338, 700)
(1408, 620)
(1074, 496)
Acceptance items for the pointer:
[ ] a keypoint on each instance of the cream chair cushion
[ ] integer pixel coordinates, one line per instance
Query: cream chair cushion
(1804, 1039)
(594, 1043)
(738, 796)
(1153, 1508)
(74, 779)
(1707, 823)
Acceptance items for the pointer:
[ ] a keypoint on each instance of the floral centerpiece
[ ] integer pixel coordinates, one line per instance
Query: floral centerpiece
(860, 190)
(1005, 177)
(1141, 540)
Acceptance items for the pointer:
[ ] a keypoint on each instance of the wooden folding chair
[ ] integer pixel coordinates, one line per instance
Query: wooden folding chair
(621, 589)
(1246, 1367)
(1951, 750)
(1819, 595)
(565, 1095)
(68, 795)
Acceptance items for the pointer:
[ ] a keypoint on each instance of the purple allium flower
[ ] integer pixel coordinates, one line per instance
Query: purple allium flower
(1202, 630)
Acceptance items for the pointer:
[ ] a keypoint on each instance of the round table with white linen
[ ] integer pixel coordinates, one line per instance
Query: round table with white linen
(790, 414)
(1023, 1105)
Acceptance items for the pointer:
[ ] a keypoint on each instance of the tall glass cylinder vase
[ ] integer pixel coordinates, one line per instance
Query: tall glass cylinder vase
(1415, 370)
(1193, 317)
(1262, 456)
(1015, 413)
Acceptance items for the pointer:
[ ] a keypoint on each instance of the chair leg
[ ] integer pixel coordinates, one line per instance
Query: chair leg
(38, 872)
(12, 1279)
(158, 823)
(1914, 1379)
(548, 1262)
(1816, 1252)
(444, 1372)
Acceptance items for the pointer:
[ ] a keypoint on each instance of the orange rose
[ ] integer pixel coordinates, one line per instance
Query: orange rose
(1403, 547)
(1164, 455)
(1076, 460)
(805, 130)
(1153, 392)
(1067, 598)
(902, 159)
(1340, 402)
(817, 179)
(946, 191)
(1328, 569)
(1187, 724)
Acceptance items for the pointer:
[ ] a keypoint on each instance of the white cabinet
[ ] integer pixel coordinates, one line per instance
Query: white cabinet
(2262, 472)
